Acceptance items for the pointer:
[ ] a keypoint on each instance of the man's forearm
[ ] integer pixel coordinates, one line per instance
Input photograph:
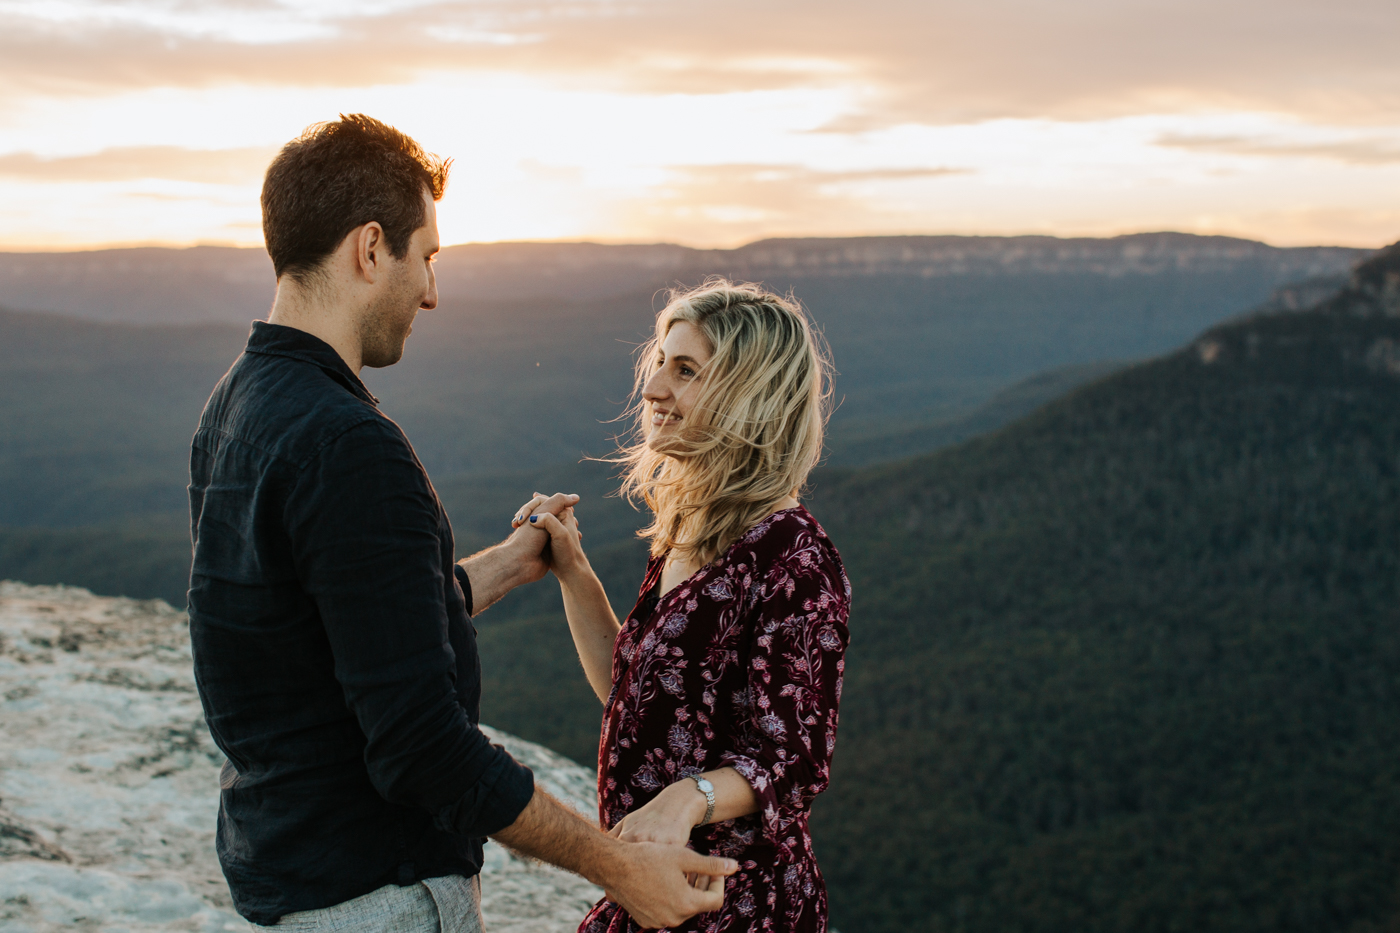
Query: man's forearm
(650, 881)
(549, 831)
(493, 573)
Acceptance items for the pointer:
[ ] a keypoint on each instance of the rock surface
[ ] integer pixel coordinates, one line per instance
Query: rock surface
(109, 780)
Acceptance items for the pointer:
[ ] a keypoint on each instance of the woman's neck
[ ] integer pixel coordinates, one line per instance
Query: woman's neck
(680, 565)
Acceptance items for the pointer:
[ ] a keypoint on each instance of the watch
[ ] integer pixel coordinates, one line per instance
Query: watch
(708, 790)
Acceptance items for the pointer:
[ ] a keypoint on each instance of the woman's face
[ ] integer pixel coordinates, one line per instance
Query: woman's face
(670, 392)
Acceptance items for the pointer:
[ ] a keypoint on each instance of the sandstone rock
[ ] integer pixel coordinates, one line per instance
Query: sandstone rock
(109, 780)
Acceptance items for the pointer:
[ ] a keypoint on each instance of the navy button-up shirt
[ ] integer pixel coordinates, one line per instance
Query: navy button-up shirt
(333, 649)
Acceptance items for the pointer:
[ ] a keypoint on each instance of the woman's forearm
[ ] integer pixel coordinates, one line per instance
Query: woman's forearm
(593, 625)
(734, 796)
(672, 814)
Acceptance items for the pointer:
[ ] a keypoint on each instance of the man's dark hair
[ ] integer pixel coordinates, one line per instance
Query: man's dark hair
(339, 175)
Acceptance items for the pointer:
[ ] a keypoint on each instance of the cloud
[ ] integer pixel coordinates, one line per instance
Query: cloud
(734, 203)
(1362, 151)
(903, 60)
(174, 163)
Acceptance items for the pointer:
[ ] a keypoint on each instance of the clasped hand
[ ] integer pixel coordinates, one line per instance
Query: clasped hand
(668, 819)
(555, 516)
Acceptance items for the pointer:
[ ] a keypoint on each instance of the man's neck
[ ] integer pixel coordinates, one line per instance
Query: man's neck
(320, 312)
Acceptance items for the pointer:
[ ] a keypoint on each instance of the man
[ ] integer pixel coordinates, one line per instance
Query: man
(332, 645)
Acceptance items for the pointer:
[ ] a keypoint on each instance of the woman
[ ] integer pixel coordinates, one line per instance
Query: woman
(720, 689)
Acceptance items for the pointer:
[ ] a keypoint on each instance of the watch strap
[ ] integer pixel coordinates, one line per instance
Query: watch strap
(708, 789)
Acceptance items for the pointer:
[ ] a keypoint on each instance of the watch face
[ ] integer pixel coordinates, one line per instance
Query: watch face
(705, 786)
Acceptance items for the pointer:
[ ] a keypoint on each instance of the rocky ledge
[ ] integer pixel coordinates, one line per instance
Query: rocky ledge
(109, 780)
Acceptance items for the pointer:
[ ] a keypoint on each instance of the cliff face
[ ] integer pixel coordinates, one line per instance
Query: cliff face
(1374, 287)
(109, 780)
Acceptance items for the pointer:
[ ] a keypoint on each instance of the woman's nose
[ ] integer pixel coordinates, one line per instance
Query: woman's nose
(655, 389)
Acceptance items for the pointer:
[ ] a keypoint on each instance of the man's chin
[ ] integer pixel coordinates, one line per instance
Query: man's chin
(387, 357)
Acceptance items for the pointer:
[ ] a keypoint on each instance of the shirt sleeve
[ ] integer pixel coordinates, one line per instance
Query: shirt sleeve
(465, 582)
(367, 539)
(794, 681)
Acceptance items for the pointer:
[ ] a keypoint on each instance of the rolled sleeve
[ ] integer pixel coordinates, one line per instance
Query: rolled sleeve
(794, 681)
(367, 534)
(465, 582)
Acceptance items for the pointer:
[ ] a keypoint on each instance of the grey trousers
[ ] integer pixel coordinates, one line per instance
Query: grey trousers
(451, 904)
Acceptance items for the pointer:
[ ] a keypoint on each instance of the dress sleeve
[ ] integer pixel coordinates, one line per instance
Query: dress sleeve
(794, 682)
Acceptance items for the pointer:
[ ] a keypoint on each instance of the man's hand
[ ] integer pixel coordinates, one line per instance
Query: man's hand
(521, 558)
(654, 883)
(649, 880)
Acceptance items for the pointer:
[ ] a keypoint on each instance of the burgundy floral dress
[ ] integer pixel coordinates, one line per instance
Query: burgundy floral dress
(739, 666)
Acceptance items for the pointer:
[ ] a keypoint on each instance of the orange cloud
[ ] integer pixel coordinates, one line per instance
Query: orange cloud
(1363, 151)
(218, 166)
(911, 60)
(727, 203)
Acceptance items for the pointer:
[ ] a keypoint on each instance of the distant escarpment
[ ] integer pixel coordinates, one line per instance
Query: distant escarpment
(208, 283)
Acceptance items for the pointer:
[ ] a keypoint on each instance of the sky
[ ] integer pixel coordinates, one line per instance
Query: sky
(717, 122)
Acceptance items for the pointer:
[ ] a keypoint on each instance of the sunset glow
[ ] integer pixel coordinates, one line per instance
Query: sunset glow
(151, 121)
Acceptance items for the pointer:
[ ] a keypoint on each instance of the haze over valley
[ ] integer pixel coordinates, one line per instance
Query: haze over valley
(1119, 517)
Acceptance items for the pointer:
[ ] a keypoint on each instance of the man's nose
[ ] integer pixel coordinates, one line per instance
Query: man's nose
(430, 300)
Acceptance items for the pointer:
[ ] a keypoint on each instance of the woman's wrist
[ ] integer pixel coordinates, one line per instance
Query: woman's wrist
(576, 576)
(688, 800)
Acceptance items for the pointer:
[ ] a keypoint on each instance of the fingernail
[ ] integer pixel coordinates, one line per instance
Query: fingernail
(533, 518)
(731, 865)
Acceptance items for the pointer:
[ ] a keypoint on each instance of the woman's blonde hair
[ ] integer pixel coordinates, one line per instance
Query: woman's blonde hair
(754, 431)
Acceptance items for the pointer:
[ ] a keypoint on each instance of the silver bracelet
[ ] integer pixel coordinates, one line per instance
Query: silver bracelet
(708, 790)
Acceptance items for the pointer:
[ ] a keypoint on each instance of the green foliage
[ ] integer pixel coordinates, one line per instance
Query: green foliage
(143, 560)
(1134, 662)
(96, 418)
(1130, 664)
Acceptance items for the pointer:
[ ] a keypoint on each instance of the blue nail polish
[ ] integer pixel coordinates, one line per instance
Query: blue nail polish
(532, 518)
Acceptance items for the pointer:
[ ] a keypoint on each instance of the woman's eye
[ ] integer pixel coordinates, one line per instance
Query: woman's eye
(687, 371)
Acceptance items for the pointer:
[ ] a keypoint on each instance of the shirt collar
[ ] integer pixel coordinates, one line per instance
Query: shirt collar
(280, 340)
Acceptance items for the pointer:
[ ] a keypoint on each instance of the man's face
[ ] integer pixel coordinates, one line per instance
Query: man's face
(408, 287)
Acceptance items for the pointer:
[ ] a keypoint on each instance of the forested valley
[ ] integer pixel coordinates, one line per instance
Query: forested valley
(1122, 537)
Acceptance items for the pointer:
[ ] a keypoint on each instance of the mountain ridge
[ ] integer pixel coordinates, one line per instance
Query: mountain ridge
(208, 283)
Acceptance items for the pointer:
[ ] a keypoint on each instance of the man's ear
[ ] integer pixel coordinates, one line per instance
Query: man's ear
(371, 251)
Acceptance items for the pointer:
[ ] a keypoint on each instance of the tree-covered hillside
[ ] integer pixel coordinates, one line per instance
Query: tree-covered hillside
(527, 359)
(1133, 663)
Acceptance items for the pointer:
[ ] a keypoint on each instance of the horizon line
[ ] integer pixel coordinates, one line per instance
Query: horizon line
(573, 241)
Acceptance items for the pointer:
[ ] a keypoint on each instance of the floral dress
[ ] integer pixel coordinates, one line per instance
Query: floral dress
(739, 666)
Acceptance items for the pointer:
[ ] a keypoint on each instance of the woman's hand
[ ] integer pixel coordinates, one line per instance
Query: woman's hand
(565, 555)
(538, 504)
(668, 818)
